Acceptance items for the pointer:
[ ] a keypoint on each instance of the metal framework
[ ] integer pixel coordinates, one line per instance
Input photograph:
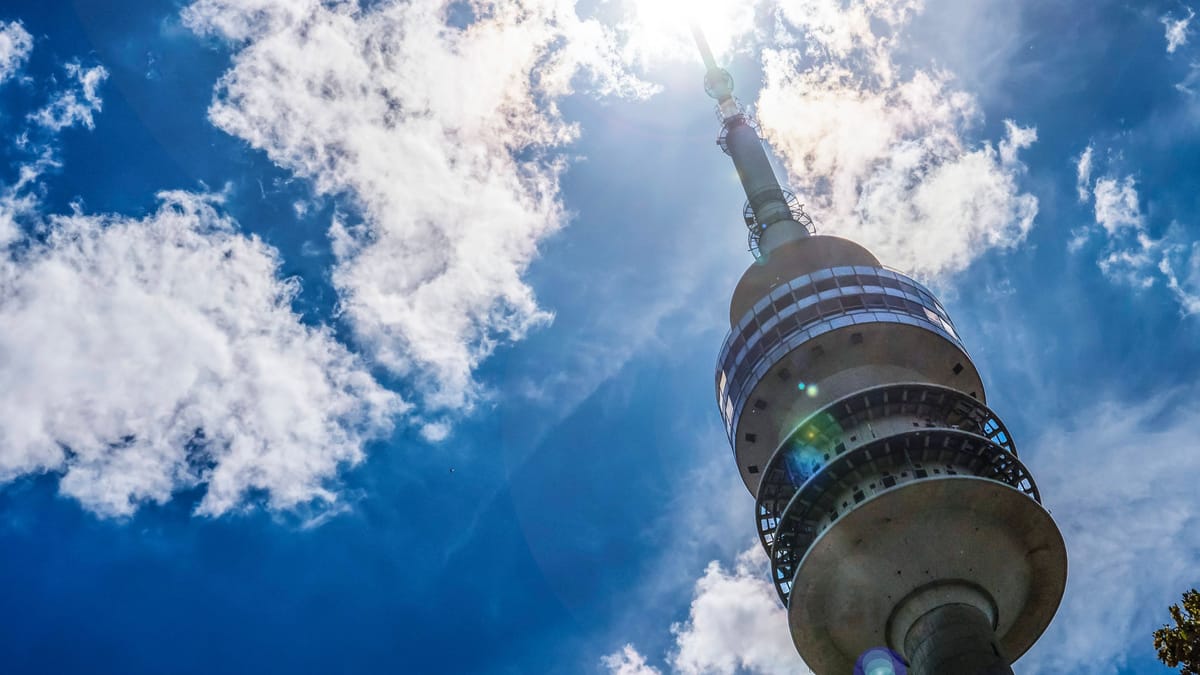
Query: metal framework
(870, 471)
(758, 229)
(846, 425)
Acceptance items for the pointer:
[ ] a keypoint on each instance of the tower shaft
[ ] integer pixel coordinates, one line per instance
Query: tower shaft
(955, 639)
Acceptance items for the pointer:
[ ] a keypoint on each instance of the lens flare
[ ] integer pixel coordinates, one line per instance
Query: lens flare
(880, 661)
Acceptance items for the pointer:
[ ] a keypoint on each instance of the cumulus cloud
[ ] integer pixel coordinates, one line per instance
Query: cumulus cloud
(442, 141)
(880, 155)
(76, 104)
(1177, 30)
(1120, 480)
(147, 356)
(15, 45)
(1131, 254)
(735, 625)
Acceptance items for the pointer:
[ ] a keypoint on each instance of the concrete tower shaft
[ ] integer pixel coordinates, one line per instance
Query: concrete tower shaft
(889, 497)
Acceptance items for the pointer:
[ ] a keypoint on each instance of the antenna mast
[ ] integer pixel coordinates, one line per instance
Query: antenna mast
(773, 214)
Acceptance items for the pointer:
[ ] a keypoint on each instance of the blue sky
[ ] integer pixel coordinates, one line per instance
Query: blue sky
(340, 338)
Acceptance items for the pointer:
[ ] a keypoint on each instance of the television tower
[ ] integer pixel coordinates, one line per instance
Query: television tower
(889, 497)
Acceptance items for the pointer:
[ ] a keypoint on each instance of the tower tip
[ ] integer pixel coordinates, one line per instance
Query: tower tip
(718, 83)
(710, 61)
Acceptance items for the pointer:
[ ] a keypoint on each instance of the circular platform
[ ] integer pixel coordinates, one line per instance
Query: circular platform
(963, 529)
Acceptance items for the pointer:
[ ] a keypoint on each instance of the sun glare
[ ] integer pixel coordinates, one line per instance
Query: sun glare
(660, 29)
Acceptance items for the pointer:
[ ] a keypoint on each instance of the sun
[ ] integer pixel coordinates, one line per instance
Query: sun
(660, 29)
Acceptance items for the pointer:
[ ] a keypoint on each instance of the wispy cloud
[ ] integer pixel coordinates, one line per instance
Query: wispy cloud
(1190, 81)
(1119, 477)
(77, 103)
(1083, 174)
(19, 200)
(441, 138)
(1178, 30)
(1131, 254)
(883, 157)
(71, 104)
(15, 45)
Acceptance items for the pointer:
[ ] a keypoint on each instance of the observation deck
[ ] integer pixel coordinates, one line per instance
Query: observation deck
(805, 344)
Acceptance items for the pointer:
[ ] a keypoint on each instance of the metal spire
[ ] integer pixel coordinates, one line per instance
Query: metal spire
(705, 50)
(768, 205)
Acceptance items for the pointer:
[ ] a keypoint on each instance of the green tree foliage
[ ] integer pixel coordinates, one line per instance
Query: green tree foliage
(1179, 646)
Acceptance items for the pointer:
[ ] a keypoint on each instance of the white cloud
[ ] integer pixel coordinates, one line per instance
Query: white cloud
(1117, 206)
(1131, 255)
(1083, 174)
(1180, 266)
(1177, 30)
(442, 139)
(77, 103)
(1119, 478)
(147, 356)
(736, 624)
(15, 45)
(20, 200)
(1191, 81)
(882, 158)
(628, 662)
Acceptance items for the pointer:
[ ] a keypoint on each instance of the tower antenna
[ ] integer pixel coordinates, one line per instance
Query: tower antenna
(705, 51)
(773, 215)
